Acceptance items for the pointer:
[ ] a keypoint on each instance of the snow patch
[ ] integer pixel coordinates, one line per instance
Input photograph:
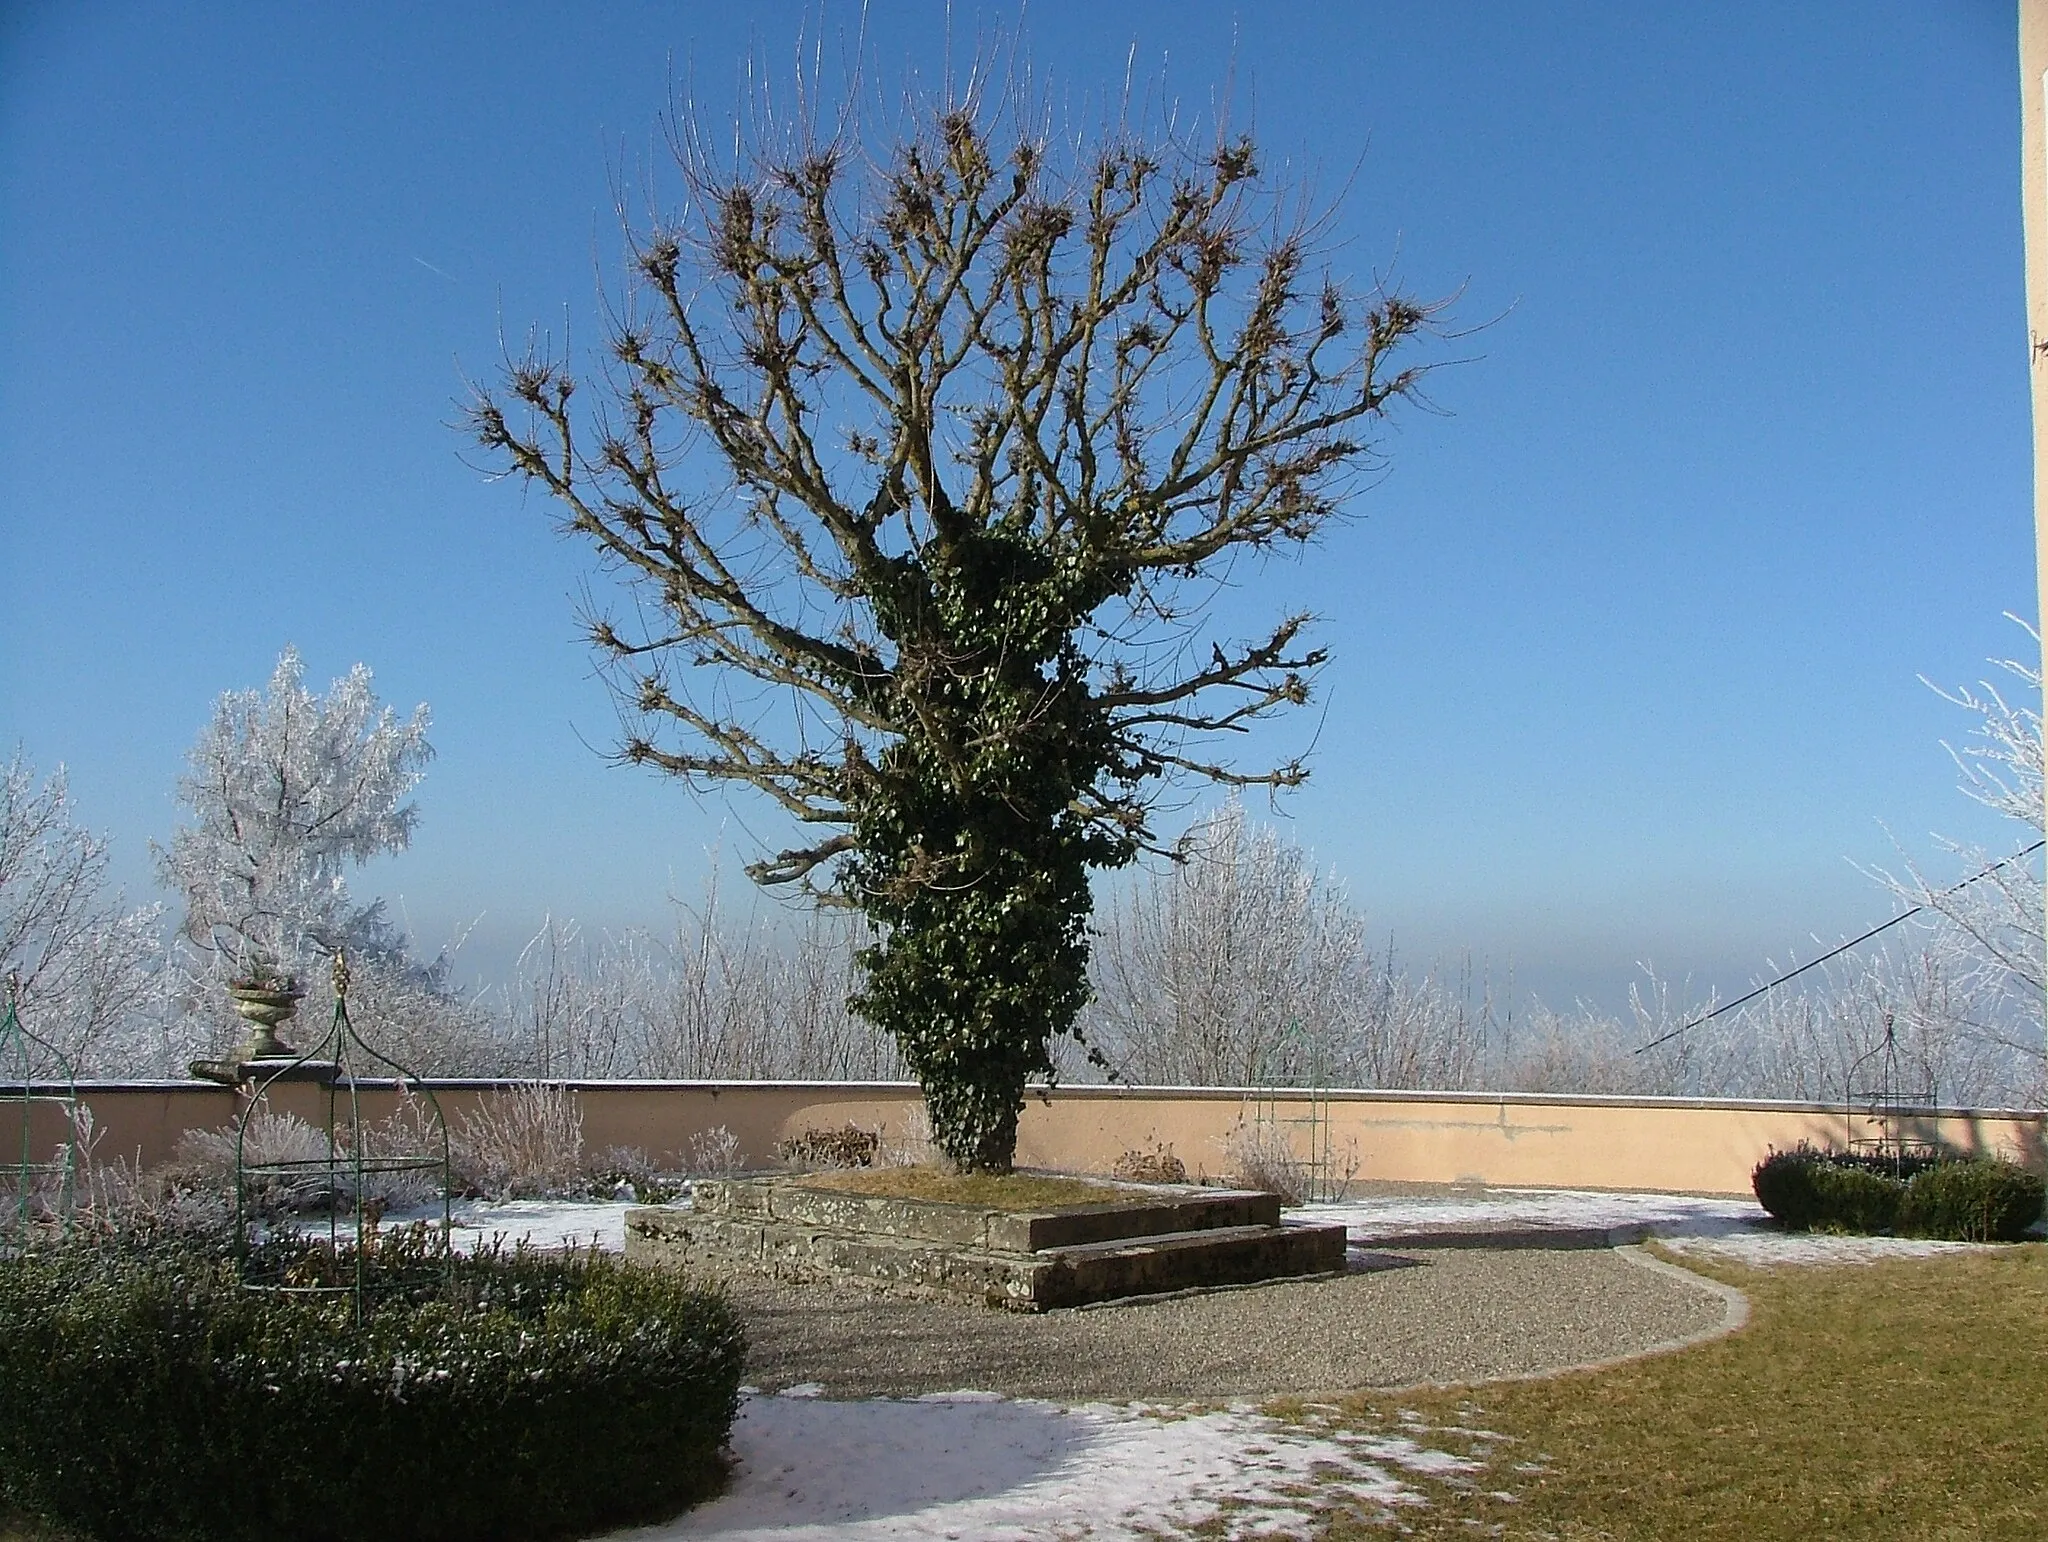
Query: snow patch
(540, 1223)
(1769, 1249)
(995, 1469)
(1386, 1220)
(1733, 1228)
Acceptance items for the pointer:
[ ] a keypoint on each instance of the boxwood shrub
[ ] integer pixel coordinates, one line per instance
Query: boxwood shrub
(1785, 1186)
(1956, 1198)
(1856, 1199)
(1975, 1201)
(145, 1394)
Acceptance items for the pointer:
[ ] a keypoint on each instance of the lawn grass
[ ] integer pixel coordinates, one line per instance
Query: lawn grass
(1906, 1399)
(993, 1191)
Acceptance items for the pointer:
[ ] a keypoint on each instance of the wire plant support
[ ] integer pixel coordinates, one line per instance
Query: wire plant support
(358, 1168)
(1299, 1116)
(1884, 1104)
(45, 1177)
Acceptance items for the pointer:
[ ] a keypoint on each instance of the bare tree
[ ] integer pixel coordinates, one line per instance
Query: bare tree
(82, 964)
(1996, 916)
(715, 1000)
(1242, 965)
(918, 452)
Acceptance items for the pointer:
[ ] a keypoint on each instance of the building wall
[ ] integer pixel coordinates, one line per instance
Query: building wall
(1688, 1145)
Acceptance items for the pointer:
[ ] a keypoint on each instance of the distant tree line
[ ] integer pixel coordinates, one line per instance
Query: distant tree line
(1238, 963)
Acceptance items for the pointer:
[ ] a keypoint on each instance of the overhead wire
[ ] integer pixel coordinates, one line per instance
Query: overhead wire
(1793, 974)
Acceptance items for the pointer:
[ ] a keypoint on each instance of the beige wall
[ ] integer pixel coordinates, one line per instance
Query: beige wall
(1702, 1146)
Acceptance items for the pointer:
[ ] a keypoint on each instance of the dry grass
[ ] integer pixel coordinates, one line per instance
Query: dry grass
(1008, 1191)
(1904, 1400)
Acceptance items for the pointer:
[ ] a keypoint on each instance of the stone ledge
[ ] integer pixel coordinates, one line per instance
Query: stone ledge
(1072, 1256)
(1124, 1211)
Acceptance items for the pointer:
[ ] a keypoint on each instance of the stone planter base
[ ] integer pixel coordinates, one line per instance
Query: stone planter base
(1140, 1241)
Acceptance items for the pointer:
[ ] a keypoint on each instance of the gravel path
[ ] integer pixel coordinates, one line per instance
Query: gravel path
(1442, 1315)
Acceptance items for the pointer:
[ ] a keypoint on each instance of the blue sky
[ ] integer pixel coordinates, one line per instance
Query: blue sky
(1626, 641)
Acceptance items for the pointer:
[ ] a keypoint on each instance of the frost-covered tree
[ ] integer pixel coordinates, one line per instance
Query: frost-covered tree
(926, 449)
(1991, 925)
(82, 964)
(286, 791)
(1242, 964)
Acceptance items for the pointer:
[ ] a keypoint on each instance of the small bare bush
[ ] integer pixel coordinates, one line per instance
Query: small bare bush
(911, 1146)
(1157, 1165)
(849, 1146)
(121, 1198)
(206, 1159)
(411, 1134)
(523, 1143)
(715, 1153)
(1261, 1157)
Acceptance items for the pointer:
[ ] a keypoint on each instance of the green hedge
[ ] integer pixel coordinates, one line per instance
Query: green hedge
(1975, 1201)
(1855, 1199)
(1963, 1199)
(145, 1394)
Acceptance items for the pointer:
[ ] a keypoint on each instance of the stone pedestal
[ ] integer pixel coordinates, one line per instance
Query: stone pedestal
(1140, 1240)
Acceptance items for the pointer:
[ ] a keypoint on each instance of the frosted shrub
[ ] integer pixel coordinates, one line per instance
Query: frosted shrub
(523, 1142)
(208, 1156)
(1260, 1156)
(715, 1153)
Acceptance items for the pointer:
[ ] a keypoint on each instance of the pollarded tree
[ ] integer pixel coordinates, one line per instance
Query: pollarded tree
(916, 452)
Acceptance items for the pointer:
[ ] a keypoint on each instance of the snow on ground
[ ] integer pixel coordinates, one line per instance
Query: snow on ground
(1728, 1227)
(981, 1466)
(1769, 1249)
(975, 1465)
(1383, 1219)
(540, 1223)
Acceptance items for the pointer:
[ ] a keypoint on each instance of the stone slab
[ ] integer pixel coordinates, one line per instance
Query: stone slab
(1073, 1256)
(1237, 1255)
(1124, 1211)
(715, 1244)
(1184, 1211)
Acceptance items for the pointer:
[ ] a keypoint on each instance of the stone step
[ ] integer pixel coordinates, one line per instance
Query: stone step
(1072, 1275)
(1234, 1255)
(1152, 1210)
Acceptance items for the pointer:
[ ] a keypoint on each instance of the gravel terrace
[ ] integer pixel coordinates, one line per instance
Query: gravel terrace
(1442, 1315)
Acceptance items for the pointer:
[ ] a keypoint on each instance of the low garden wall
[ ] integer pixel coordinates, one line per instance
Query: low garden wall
(1679, 1144)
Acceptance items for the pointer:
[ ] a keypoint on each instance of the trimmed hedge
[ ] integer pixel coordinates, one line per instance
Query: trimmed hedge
(144, 1394)
(1976, 1201)
(1785, 1186)
(1962, 1199)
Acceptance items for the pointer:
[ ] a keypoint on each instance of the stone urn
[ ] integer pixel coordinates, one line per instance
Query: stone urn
(265, 1006)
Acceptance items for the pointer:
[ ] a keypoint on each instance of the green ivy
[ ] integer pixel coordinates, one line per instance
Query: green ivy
(974, 851)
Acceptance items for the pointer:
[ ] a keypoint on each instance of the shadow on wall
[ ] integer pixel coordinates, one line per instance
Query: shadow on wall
(1977, 1135)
